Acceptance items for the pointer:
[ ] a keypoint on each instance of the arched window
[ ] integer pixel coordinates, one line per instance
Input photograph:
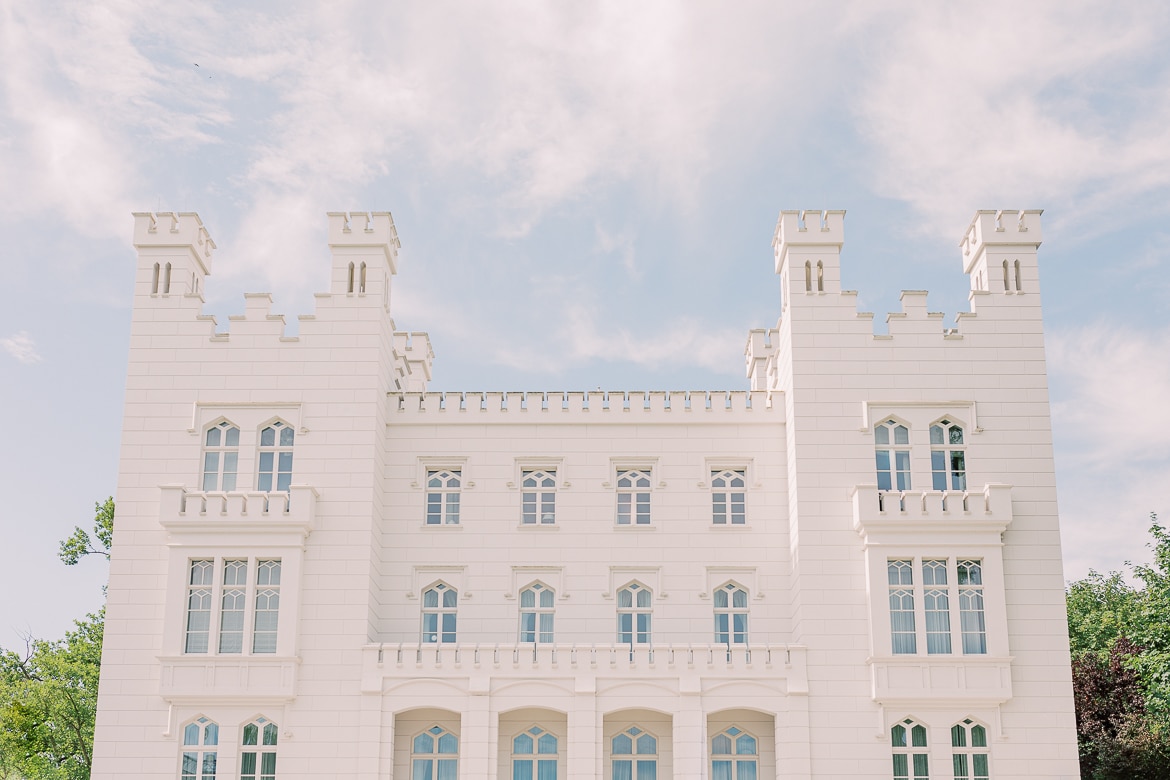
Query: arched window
(258, 751)
(1007, 287)
(633, 507)
(1019, 281)
(221, 455)
(892, 440)
(434, 755)
(349, 279)
(276, 458)
(536, 613)
(200, 741)
(634, 612)
(362, 279)
(948, 457)
(634, 754)
(733, 755)
(538, 497)
(820, 276)
(166, 285)
(154, 280)
(908, 740)
(731, 614)
(969, 751)
(727, 497)
(534, 755)
(439, 605)
(807, 276)
(199, 584)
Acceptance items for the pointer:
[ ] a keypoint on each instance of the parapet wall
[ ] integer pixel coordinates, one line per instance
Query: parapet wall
(677, 406)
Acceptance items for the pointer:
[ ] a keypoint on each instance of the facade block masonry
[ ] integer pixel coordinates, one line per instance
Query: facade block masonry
(850, 569)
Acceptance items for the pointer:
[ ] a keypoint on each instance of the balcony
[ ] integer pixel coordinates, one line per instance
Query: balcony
(972, 517)
(687, 665)
(228, 678)
(271, 518)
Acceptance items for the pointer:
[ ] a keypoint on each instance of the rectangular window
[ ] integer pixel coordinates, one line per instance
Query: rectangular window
(727, 497)
(226, 583)
(900, 575)
(538, 497)
(633, 498)
(972, 622)
(199, 584)
(937, 603)
(233, 602)
(443, 489)
(267, 606)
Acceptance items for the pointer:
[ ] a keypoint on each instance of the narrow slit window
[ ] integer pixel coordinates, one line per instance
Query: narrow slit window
(154, 280)
(807, 276)
(349, 284)
(1019, 281)
(820, 276)
(362, 280)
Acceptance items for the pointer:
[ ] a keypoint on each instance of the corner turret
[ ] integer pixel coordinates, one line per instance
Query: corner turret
(364, 247)
(807, 245)
(174, 254)
(999, 251)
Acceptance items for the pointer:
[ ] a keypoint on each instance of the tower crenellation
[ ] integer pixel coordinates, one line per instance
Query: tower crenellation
(807, 247)
(174, 253)
(999, 251)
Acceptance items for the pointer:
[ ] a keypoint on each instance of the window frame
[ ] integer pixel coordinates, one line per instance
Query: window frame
(436, 732)
(440, 611)
(442, 501)
(965, 757)
(733, 758)
(636, 498)
(909, 751)
(206, 736)
(896, 477)
(279, 454)
(223, 451)
(728, 634)
(533, 759)
(212, 589)
(943, 452)
(725, 495)
(538, 611)
(936, 600)
(638, 632)
(543, 497)
(263, 728)
(636, 735)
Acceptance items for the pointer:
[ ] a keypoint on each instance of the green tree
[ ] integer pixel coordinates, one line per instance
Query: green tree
(1120, 641)
(48, 692)
(80, 544)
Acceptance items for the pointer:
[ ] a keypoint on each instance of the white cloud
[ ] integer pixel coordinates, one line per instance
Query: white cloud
(1025, 105)
(22, 347)
(1110, 417)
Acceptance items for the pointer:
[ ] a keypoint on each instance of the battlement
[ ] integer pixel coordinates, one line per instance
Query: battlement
(171, 230)
(804, 228)
(413, 350)
(723, 406)
(999, 228)
(365, 230)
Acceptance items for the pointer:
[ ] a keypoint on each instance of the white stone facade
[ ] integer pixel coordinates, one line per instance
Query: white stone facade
(370, 580)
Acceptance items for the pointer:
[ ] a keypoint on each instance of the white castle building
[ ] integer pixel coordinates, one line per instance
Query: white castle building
(850, 570)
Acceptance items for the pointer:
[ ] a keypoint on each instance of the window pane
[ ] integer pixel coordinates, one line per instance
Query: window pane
(745, 770)
(622, 745)
(522, 770)
(422, 769)
(721, 745)
(448, 745)
(745, 745)
(267, 437)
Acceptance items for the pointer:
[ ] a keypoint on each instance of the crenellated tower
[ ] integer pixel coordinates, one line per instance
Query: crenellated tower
(174, 254)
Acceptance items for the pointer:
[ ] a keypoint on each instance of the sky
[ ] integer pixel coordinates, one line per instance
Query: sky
(585, 194)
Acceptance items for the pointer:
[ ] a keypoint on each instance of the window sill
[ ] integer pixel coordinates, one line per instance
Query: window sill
(538, 527)
(649, 527)
(730, 526)
(444, 526)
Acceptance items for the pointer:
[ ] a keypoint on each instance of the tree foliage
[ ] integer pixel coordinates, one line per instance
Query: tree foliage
(1120, 642)
(80, 544)
(48, 699)
(48, 691)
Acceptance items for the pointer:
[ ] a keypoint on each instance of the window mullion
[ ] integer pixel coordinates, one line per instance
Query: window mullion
(216, 617)
(250, 589)
(920, 606)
